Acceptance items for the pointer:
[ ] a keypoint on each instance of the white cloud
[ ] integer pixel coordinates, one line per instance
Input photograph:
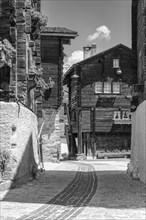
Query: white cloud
(101, 32)
(75, 57)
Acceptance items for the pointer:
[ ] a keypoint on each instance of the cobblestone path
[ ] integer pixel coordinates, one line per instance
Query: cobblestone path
(70, 202)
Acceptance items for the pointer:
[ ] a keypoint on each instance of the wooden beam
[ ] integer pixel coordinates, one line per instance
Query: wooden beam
(79, 131)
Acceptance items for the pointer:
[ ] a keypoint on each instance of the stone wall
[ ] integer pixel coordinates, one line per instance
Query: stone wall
(137, 166)
(50, 133)
(18, 129)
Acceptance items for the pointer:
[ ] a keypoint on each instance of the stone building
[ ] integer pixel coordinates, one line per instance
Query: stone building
(137, 166)
(20, 74)
(24, 90)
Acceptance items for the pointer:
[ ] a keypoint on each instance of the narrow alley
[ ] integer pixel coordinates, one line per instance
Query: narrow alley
(72, 110)
(89, 189)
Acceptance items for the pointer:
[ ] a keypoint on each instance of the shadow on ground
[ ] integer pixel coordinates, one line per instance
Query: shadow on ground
(113, 189)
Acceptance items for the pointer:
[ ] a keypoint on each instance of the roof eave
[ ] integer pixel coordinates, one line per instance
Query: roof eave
(59, 34)
(67, 74)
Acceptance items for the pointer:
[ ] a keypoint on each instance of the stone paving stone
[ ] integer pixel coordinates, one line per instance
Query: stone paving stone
(117, 197)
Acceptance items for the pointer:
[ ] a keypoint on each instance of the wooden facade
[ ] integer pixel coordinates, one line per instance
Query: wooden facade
(52, 55)
(35, 75)
(139, 48)
(100, 90)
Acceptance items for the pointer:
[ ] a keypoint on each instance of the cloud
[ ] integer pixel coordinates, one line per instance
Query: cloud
(75, 57)
(101, 32)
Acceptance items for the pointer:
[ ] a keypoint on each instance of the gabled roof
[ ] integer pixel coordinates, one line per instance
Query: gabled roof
(58, 31)
(66, 75)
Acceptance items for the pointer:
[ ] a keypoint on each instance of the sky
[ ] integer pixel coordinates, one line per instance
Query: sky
(104, 22)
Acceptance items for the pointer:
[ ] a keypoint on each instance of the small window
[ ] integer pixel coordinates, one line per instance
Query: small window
(107, 87)
(116, 87)
(98, 87)
(117, 115)
(115, 63)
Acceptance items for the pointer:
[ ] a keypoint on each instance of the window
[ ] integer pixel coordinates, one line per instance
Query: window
(123, 115)
(107, 87)
(116, 87)
(115, 63)
(117, 115)
(98, 87)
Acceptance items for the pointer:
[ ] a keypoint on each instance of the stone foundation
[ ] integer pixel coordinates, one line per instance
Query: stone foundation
(50, 134)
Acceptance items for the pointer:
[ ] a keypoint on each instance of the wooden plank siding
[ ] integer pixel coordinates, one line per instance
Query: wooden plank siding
(49, 49)
(99, 109)
(103, 120)
(52, 59)
(99, 69)
(86, 121)
(141, 46)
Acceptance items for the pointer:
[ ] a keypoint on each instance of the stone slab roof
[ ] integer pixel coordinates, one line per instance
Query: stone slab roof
(59, 31)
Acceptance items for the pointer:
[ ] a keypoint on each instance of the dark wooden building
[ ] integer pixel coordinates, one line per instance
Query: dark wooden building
(52, 55)
(139, 49)
(99, 101)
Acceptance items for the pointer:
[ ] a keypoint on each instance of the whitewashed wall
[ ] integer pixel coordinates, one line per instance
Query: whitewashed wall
(18, 129)
(137, 166)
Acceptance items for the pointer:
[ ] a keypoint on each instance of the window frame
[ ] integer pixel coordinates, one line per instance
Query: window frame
(116, 63)
(95, 87)
(109, 86)
(102, 91)
(120, 115)
(113, 88)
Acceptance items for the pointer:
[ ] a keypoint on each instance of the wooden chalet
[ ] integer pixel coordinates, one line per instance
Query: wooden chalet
(99, 101)
(52, 55)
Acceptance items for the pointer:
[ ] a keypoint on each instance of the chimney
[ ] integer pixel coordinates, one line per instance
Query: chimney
(86, 52)
(93, 49)
(89, 51)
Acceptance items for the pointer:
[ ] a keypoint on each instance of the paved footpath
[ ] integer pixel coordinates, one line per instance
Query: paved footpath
(92, 189)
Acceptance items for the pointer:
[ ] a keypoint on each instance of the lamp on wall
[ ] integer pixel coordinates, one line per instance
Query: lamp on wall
(75, 76)
(118, 71)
